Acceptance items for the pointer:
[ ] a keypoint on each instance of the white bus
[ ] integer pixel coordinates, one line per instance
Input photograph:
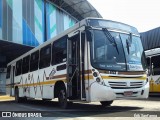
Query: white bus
(153, 58)
(96, 60)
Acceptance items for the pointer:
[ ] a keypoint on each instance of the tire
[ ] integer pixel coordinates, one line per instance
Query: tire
(106, 103)
(62, 98)
(24, 99)
(45, 99)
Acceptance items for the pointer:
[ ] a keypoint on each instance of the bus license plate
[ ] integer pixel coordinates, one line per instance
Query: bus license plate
(128, 93)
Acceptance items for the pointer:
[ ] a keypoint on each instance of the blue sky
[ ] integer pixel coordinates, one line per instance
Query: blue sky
(142, 14)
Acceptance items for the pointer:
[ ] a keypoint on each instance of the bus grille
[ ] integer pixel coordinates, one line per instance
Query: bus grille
(124, 85)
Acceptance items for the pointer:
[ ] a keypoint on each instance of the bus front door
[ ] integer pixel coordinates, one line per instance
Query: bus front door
(75, 67)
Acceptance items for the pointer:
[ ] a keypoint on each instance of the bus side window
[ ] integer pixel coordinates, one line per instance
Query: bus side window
(34, 61)
(59, 51)
(25, 65)
(45, 57)
(8, 72)
(19, 67)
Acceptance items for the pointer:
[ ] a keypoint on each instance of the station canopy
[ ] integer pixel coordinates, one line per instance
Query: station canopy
(151, 39)
(79, 9)
(12, 50)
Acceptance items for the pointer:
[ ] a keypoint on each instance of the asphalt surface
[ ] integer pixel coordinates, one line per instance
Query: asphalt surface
(146, 108)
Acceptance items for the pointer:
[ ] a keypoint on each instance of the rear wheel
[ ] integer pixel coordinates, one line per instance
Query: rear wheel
(17, 98)
(106, 103)
(62, 98)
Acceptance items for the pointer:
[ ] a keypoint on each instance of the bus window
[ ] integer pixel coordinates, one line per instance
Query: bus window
(25, 65)
(45, 57)
(18, 67)
(156, 64)
(8, 72)
(59, 51)
(34, 61)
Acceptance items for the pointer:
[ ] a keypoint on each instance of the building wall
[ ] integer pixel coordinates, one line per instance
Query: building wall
(31, 22)
(2, 82)
(57, 21)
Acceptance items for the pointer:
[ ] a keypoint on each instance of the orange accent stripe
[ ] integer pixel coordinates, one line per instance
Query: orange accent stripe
(90, 77)
(42, 83)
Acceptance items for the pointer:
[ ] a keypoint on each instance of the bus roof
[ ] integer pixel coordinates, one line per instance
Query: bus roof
(152, 52)
(76, 26)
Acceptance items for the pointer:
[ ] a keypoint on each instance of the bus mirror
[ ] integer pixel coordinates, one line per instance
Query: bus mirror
(89, 35)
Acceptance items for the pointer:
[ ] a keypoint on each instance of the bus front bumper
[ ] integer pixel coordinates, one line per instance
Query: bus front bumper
(104, 93)
(136, 93)
(101, 93)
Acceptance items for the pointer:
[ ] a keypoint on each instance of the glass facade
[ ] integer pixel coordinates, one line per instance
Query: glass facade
(57, 21)
(31, 22)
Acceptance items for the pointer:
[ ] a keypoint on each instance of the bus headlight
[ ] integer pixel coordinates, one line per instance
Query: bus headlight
(98, 79)
(95, 74)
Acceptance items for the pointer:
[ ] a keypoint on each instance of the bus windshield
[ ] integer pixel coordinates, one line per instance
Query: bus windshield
(133, 48)
(119, 54)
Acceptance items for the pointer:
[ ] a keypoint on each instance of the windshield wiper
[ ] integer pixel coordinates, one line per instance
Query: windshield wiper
(128, 45)
(110, 38)
(128, 42)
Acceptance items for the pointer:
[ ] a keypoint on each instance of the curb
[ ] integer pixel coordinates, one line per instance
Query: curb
(5, 97)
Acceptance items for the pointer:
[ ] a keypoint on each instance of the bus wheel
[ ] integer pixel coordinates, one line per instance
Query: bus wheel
(17, 98)
(45, 99)
(106, 103)
(62, 98)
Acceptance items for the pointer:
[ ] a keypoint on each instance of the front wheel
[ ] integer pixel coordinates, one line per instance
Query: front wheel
(62, 98)
(106, 103)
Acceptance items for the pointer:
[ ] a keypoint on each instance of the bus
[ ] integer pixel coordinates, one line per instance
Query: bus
(153, 58)
(96, 60)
